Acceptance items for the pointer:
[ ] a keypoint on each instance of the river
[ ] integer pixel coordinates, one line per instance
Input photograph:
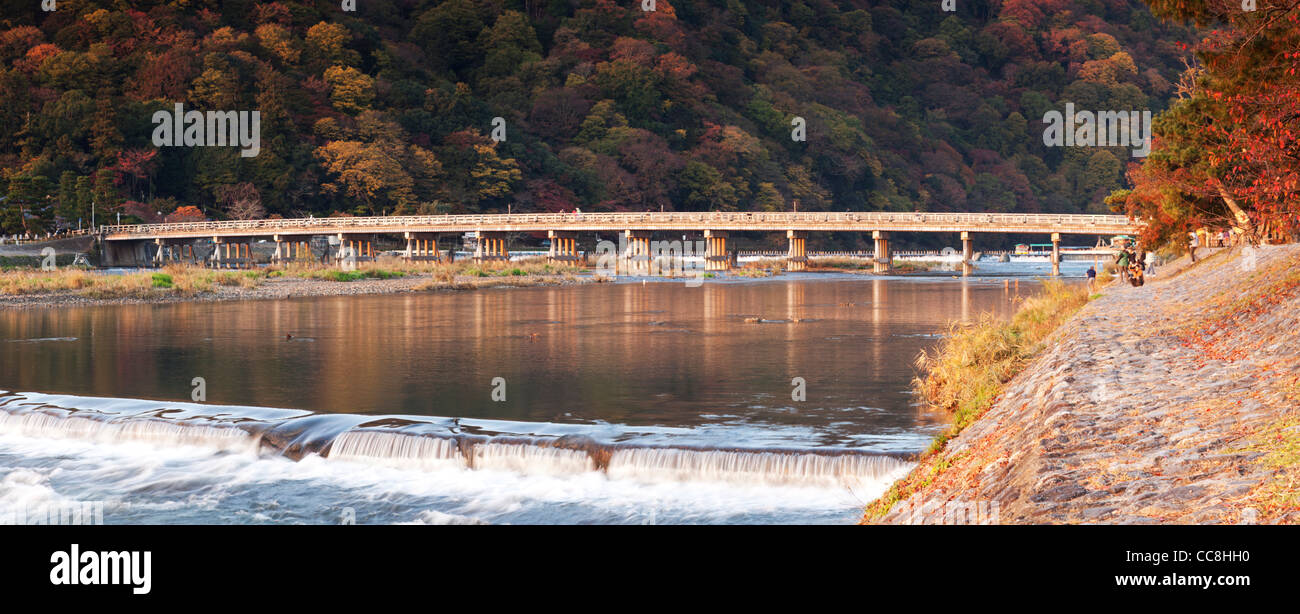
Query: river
(782, 400)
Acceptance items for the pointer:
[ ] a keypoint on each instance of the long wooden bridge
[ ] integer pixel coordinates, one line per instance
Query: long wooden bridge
(142, 244)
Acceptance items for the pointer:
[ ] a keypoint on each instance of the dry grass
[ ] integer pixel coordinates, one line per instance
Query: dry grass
(864, 264)
(969, 368)
(172, 279)
(1279, 497)
(385, 268)
(766, 267)
(190, 280)
(31, 281)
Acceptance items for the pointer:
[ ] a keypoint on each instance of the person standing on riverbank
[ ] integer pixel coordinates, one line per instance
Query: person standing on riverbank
(1121, 263)
(1092, 279)
(1151, 263)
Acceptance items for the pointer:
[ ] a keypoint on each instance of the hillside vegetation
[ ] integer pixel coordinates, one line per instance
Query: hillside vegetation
(389, 109)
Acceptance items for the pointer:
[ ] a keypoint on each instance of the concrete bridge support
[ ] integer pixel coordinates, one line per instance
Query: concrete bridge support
(636, 257)
(422, 246)
(126, 253)
(161, 254)
(797, 258)
(564, 246)
(716, 257)
(172, 250)
(361, 246)
(884, 259)
(232, 252)
(291, 247)
(966, 253)
(492, 246)
(1056, 253)
(190, 253)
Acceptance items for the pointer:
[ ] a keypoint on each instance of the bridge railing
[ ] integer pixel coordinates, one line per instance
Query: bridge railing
(973, 221)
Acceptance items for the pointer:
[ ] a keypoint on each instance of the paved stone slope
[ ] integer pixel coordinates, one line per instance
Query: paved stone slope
(1147, 408)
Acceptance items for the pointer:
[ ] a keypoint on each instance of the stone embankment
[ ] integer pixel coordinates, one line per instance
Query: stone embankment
(1175, 402)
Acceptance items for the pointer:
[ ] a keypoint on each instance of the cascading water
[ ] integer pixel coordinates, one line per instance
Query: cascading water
(397, 450)
(149, 430)
(426, 451)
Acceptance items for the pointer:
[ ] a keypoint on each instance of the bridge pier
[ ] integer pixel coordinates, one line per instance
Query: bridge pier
(1056, 253)
(362, 246)
(966, 252)
(232, 252)
(797, 258)
(636, 256)
(491, 246)
(131, 253)
(291, 247)
(884, 259)
(421, 246)
(715, 251)
(169, 250)
(188, 253)
(564, 245)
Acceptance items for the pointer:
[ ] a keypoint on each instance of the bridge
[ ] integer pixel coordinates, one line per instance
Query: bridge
(140, 244)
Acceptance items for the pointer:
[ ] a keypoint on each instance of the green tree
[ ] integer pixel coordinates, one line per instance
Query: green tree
(67, 197)
(27, 204)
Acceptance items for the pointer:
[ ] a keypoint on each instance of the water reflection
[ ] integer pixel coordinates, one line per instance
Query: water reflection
(720, 356)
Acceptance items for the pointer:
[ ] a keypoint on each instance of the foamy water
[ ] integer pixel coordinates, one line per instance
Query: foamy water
(225, 465)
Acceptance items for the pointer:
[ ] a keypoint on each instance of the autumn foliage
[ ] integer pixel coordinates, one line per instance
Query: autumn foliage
(691, 106)
(1227, 152)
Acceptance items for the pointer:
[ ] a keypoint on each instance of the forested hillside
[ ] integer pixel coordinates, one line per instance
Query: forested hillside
(389, 109)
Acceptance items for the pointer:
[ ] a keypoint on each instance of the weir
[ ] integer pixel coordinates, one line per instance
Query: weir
(156, 431)
(431, 444)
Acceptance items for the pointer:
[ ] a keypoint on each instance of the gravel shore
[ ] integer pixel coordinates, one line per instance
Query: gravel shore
(1159, 404)
(289, 287)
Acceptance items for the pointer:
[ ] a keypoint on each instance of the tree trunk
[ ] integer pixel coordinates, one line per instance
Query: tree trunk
(1243, 220)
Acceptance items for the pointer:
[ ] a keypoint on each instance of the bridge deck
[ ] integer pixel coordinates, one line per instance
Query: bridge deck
(674, 221)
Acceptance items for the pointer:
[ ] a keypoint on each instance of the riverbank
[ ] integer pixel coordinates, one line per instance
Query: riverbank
(29, 287)
(1175, 402)
(73, 287)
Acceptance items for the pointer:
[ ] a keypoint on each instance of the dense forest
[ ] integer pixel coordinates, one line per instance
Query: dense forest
(606, 106)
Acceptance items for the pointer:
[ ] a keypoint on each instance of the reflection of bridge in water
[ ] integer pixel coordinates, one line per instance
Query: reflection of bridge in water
(140, 244)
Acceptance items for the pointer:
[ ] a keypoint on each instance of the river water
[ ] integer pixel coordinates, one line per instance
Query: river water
(781, 400)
